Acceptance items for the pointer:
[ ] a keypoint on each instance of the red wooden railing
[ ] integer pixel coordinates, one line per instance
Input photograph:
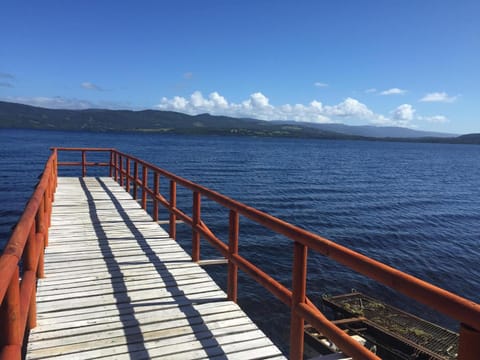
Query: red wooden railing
(120, 168)
(26, 247)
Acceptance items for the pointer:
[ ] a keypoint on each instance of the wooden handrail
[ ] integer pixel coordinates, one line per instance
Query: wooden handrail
(465, 311)
(27, 243)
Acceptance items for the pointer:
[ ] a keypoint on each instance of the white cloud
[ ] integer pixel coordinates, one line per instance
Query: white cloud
(218, 100)
(371, 90)
(403, 114)
(178, 102)
(320, 84)
(393, 91)
(56, 102)
(258, 106)
(90, 86)
(439, 119)
(348, 108)
(438, 97)
(259, 101)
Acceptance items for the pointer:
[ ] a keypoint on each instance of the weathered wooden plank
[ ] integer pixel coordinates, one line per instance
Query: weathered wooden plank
(85, 282)
(154, 341)
(127, 271)
(169, 287)
(73, 319)
(131, 333)
(168, 319)
(118, 287)
(194, 293)
(73, 315)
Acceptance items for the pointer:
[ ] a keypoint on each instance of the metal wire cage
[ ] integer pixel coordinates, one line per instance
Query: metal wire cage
(431, 340)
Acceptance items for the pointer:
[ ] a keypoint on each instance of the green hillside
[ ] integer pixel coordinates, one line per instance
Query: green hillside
(21, 116)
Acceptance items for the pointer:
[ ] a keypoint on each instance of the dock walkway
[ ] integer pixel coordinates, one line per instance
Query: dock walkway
(118, 287)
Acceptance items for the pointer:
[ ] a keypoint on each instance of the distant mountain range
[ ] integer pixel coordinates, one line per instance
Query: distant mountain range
(375, 131)
(13, 115)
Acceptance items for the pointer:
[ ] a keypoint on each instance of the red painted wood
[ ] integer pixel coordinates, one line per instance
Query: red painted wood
(144, 187)
(156, 184)
(299, 288)
(196, 221)
(173, 205)
(11, 332)
(232, 286)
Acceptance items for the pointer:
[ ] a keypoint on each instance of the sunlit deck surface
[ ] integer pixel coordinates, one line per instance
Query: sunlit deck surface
(118, 287)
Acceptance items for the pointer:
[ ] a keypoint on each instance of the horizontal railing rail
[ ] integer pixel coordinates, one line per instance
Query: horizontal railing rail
(134, 174)
(21, 263)
(84, 163)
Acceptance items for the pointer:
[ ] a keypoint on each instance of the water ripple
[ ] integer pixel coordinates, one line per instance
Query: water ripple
(413, 206)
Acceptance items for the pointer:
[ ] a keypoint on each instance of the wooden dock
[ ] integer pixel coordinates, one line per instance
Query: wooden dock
(118, 287)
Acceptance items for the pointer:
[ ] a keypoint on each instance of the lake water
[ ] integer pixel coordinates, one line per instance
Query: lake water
(413, 206)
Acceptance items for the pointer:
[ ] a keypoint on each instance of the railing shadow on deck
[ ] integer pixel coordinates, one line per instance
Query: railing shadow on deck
(132, 329)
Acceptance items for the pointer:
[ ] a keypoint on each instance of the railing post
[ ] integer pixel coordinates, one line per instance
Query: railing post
(196, 222)
(10, 328)
(299, 281)
(232, 249)
(111, 164)
(40, 234)
(144, 187)
(84, 163)
(172, 206)
(117, 168)
(46, 219)
(135, 180)
(468, 343)
(55, 174)
(128, 175)
(48, 204)
(156, 180)
(121, 170)
(115, 165)
(29, 264)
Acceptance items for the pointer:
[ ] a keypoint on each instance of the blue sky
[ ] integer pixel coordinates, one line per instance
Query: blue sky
(406, 63)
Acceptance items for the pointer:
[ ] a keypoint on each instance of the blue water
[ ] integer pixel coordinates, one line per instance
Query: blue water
(413, 206)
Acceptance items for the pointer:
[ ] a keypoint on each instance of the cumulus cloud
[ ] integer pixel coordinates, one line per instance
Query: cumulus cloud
(393, 91)
(91, 86)
(348, 108)
(320, 84)
(258, 106)
(438, 97)
(403, 114)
